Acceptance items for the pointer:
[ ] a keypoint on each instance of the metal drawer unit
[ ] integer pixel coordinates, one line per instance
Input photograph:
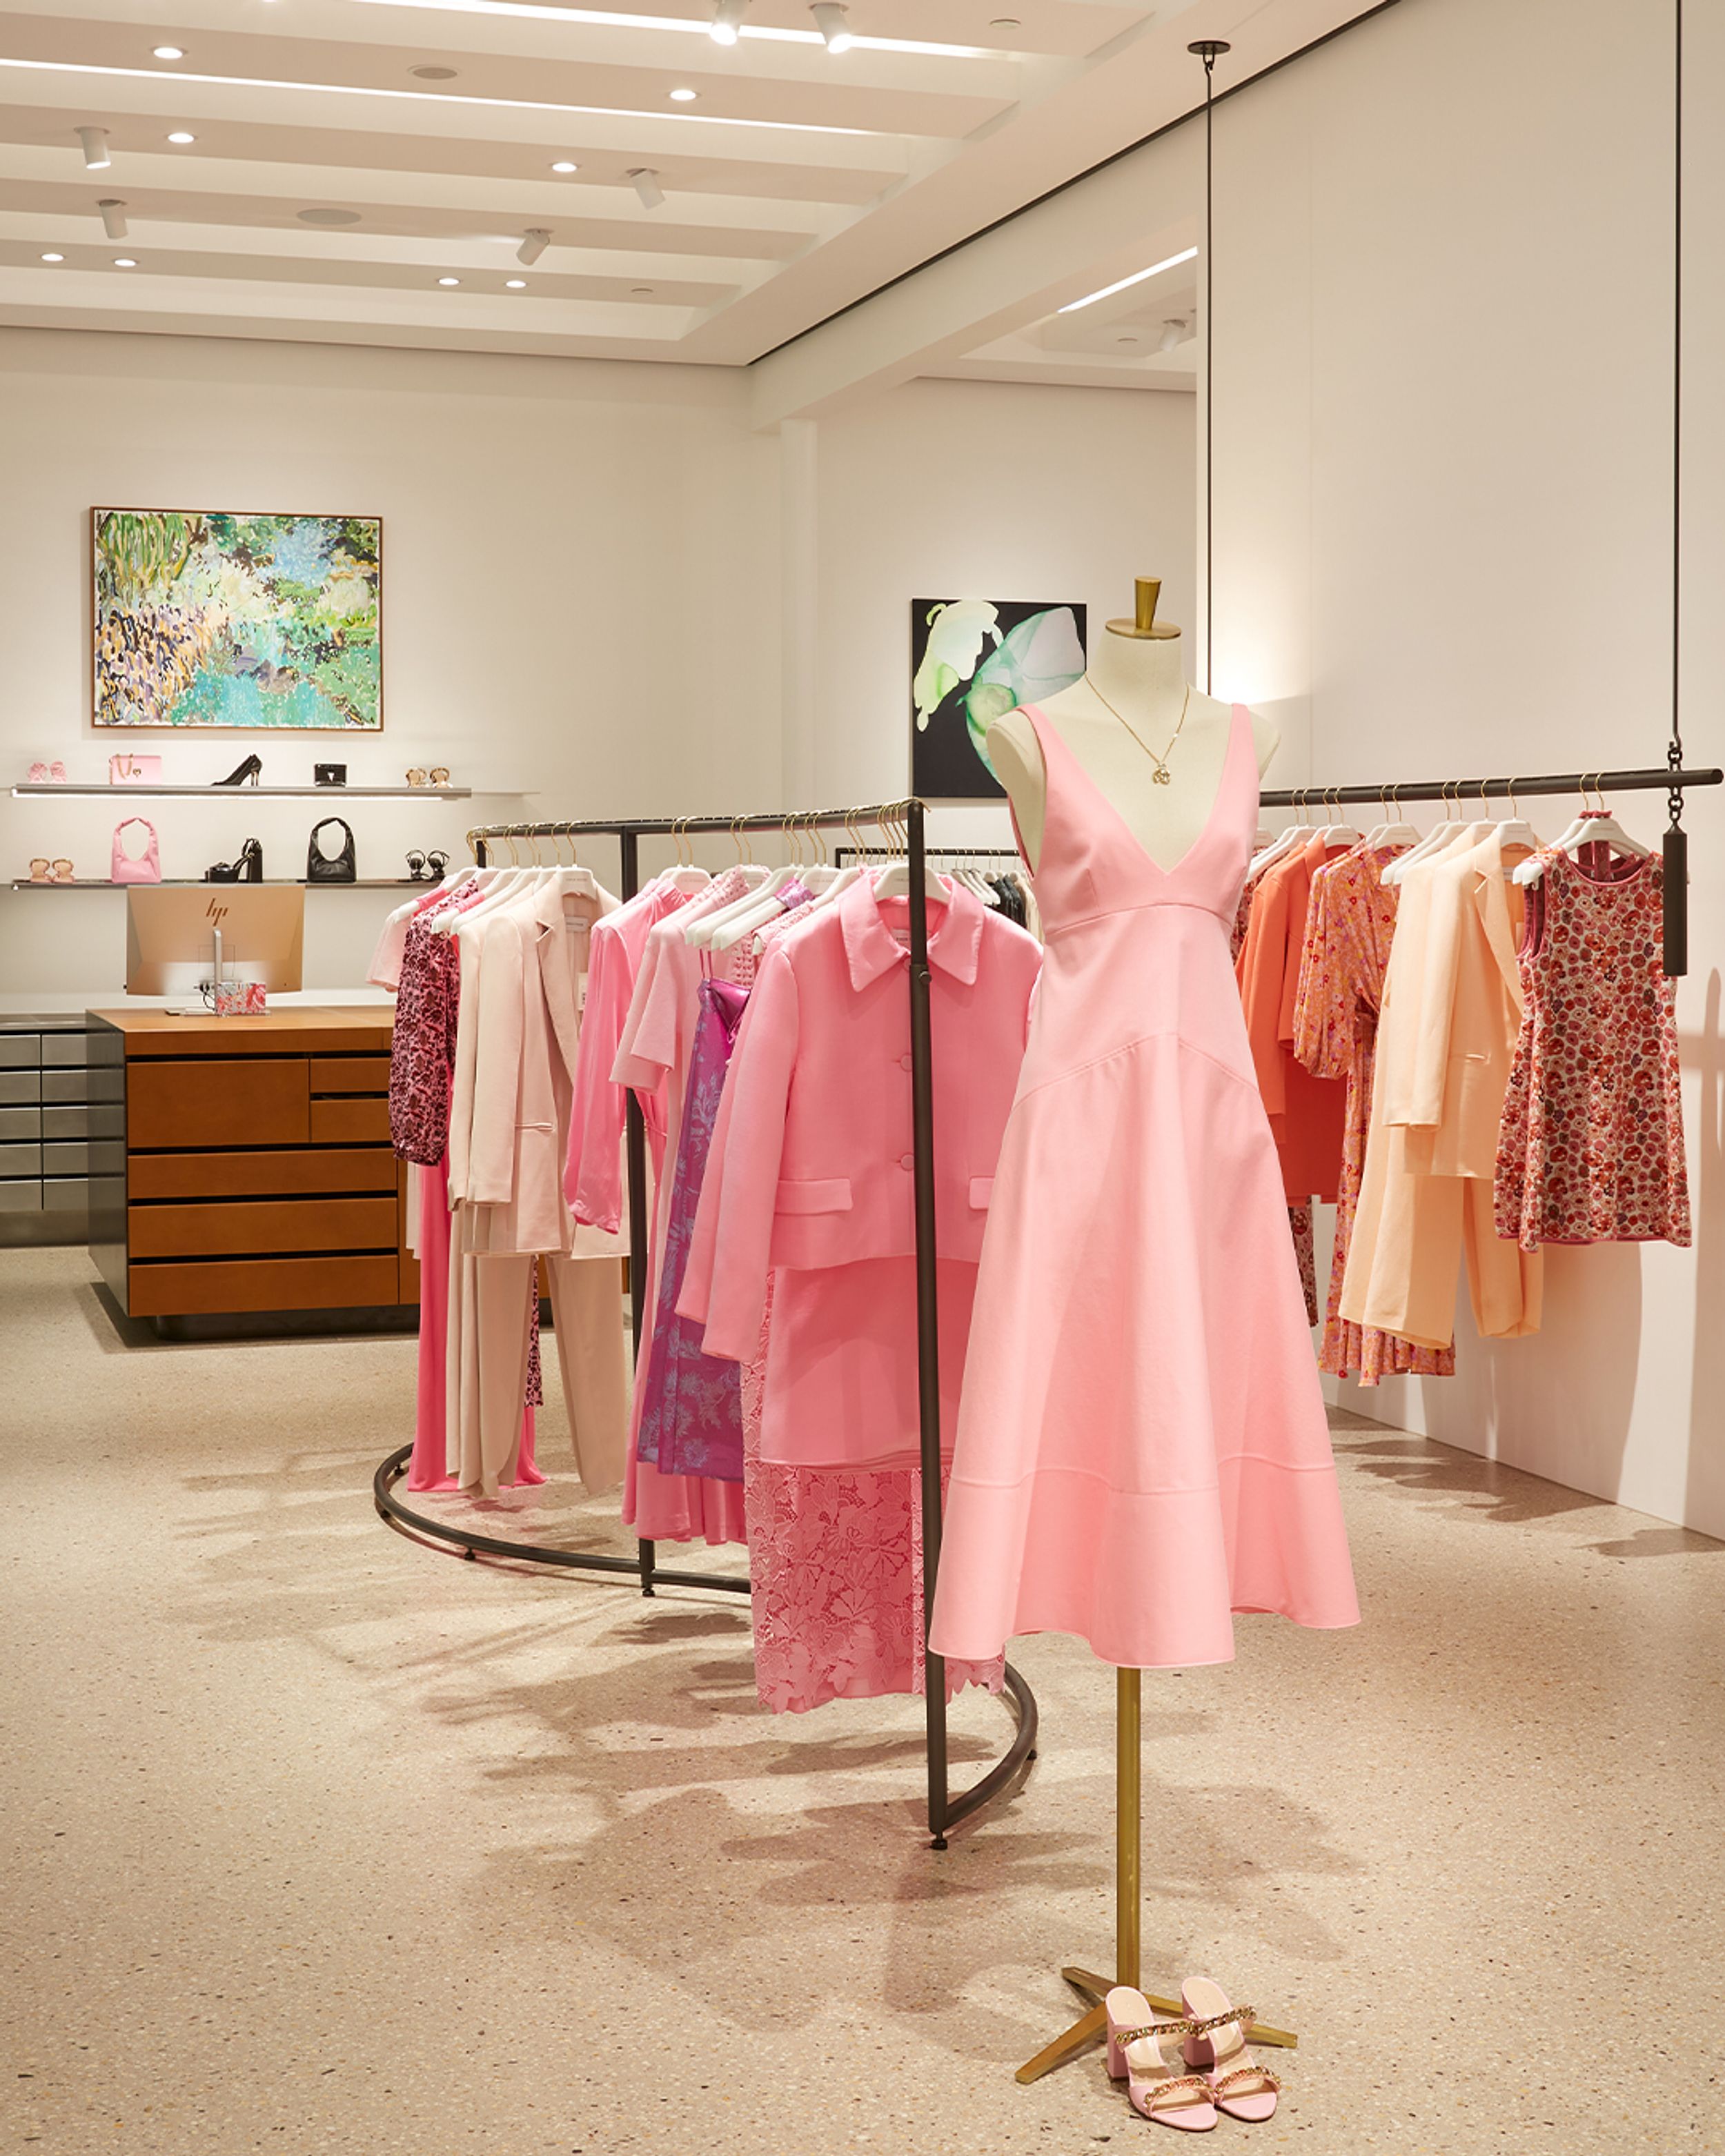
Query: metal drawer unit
(52, 1105)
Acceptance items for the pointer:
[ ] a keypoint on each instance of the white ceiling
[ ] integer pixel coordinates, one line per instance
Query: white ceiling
(796, 181)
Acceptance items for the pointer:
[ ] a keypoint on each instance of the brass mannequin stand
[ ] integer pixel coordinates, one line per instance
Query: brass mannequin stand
(1128, 1910)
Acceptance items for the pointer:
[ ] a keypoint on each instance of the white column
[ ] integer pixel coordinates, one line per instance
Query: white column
(799, 599)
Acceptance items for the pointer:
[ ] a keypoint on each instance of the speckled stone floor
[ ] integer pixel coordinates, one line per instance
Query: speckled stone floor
(321, 1841)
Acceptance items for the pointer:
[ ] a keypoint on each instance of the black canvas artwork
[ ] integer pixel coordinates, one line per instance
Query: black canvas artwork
(971, 660)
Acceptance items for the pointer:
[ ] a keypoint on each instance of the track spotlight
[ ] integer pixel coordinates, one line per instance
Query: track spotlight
(727, 20)
(95, 148)
(534, 242)
(645, 181)
(833, 21)
(113, 217)
(1174, 333)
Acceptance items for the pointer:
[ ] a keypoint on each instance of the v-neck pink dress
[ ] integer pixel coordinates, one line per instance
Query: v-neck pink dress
(1142, 1447)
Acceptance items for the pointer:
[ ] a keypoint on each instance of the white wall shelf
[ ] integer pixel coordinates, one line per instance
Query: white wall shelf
(199, 883)
(219, 792)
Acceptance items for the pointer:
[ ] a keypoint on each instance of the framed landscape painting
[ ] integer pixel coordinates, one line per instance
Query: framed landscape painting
(210, 617)
(971, 660)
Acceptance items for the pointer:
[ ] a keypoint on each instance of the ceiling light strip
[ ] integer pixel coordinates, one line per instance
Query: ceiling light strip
(609, 18)
(434, 97)
(1137, 277)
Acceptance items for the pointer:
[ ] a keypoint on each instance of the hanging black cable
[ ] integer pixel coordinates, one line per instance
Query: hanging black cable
(1209, 50)
(1676, 841)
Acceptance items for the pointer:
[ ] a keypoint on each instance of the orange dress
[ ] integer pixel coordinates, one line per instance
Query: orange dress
(1306, 1113)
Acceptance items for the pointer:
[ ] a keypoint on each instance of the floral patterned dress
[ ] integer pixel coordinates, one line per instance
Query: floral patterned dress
(1591, 1146)
(1349, 922)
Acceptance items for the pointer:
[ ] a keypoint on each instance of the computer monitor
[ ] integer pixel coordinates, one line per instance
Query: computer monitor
(170, 935)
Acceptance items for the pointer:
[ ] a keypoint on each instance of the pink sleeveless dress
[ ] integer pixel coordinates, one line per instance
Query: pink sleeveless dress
(1141, 1446)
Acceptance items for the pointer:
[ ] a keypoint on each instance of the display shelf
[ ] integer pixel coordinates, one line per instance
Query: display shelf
(201, 883)
(218, 791)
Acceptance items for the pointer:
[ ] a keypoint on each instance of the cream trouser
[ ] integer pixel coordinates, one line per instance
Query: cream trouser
(490, 1324)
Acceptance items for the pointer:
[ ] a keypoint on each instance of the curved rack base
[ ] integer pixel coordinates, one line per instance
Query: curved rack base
(1021, 1702)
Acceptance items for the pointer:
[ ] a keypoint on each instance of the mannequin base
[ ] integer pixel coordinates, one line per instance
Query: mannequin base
(1093, 2026)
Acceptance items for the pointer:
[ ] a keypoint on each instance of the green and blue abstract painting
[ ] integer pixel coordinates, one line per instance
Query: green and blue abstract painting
(971, 661)
(204, 618)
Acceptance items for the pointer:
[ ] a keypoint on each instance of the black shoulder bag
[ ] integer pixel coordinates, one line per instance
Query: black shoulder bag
(326, 868)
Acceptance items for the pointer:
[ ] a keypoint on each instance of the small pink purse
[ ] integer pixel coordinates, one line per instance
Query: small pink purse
(147, 868)
(134, 771)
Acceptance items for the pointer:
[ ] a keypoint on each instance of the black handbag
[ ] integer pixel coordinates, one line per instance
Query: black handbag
(323, 868)
(247, 866)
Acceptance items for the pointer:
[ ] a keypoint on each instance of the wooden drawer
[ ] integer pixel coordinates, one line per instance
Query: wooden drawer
(349, 1122)
(256, 1101)
(297, 1174)
(266, 1225)
(350, 1073)
(184, 1291)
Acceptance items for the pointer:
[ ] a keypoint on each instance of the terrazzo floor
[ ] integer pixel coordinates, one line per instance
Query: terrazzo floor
(319, 1840)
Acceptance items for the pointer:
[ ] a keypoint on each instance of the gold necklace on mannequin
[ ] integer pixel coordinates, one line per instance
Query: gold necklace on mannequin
(1159, 777)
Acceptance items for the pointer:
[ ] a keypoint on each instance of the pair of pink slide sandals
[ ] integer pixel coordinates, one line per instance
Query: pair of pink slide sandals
(1186, 2073)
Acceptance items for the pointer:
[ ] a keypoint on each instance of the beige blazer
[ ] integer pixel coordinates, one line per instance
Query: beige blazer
(529, 967)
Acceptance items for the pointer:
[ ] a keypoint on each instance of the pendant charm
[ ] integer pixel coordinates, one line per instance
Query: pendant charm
(1160, 775)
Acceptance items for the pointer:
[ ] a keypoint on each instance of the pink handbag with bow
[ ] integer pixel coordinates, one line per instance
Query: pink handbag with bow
(147, 868)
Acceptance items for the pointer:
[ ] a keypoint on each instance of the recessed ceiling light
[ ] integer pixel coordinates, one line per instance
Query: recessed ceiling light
(684, 96)
(1005, 23)
(565, 165)
(123, 262)
(516, 284)
(320, 216)
(54, 258)
(434, 73)
(180, 134)
(449, 280)
(1137, 277)
(640, 291)
(169, 53)
(1126, 340)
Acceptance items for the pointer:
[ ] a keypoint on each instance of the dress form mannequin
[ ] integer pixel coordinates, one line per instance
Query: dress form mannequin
(1139, 668)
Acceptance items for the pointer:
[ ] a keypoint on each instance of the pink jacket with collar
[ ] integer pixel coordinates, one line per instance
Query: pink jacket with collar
(811, 1160)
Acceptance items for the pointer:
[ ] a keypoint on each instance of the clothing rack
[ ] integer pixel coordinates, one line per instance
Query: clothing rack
(946, 1811)
(1459, 791)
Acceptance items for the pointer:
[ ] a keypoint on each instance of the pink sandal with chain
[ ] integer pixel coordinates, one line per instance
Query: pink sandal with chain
(1134, 2056)
(1216, 2046)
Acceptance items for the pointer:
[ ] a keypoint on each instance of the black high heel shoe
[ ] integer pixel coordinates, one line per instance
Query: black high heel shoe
(243, 774)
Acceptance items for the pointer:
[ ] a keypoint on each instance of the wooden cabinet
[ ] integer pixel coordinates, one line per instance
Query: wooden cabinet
(252, 1171)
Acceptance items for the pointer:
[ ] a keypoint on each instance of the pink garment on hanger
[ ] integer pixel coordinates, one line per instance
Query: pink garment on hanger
(658, 1040)
(593, 1178)
(835, 1563)
(429, 1469)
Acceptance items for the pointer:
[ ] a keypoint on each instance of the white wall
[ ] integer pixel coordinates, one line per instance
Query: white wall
(1443, 510)
(580, 597)
(987, 491)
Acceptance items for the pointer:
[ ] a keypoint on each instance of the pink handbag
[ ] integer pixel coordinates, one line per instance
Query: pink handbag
(147, 868)
(134, 771)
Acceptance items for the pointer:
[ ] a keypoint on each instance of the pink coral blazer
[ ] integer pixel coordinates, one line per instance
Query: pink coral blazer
(811, 1159)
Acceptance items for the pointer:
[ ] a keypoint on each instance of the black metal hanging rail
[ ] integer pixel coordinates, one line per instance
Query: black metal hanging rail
(1462, 791)
(945, 1810)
